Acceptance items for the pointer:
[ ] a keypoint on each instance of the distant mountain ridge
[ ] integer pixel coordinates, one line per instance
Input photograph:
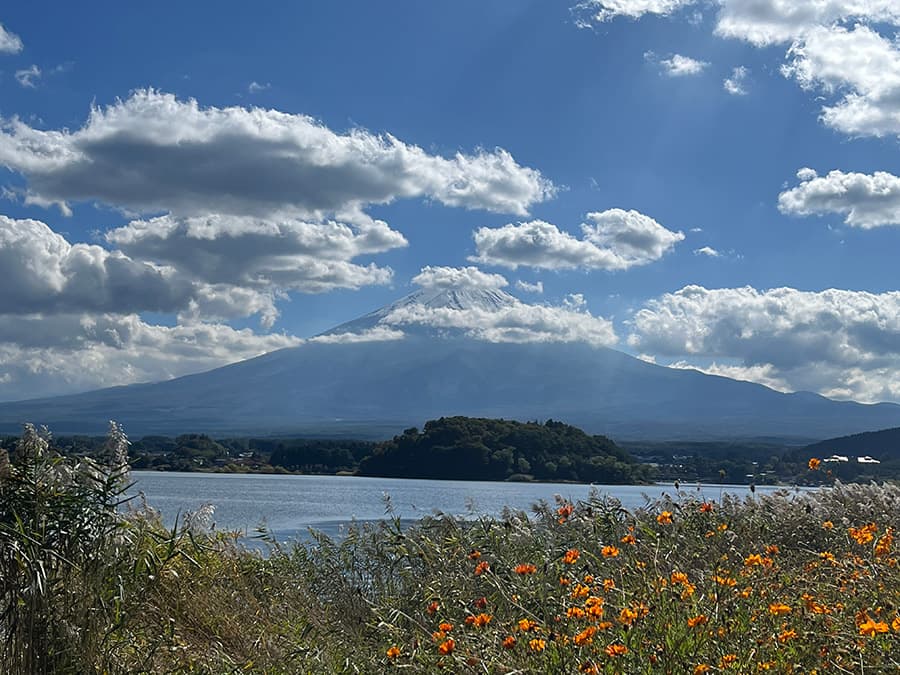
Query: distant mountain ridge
(375, 389)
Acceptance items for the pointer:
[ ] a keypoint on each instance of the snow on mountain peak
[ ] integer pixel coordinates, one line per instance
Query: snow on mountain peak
(457, 299)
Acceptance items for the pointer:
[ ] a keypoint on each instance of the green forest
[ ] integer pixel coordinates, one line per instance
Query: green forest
(466, 448)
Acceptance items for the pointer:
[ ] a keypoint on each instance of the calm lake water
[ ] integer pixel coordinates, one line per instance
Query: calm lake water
(289, 505)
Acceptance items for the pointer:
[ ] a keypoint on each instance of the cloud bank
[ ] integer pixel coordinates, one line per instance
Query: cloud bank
(804, 340)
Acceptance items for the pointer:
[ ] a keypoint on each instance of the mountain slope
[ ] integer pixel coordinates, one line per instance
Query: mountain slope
(375, 389)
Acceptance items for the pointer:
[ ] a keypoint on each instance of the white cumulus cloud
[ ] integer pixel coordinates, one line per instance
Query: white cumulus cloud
(463, 278)
(736, 85)
(679, 65)
(614, 239)
(859, 63)
(767, 22)
(844, 49)
(760, 374)
(279, 254)
(606, 10)
(471, 302)
(515, 322)
(52, 355)
(836, 342)
(29, 77)
(153, 152)
(10, 43)
(42, 272)
(528, 287)
(865, 200)
(376, 334)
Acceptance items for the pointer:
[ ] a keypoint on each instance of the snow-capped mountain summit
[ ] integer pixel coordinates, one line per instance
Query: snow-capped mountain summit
(457, 299)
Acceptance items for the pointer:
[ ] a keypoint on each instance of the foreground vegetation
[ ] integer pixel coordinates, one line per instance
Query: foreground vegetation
(804, 582)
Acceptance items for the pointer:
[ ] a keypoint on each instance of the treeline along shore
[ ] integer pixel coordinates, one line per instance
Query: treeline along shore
(466, 448)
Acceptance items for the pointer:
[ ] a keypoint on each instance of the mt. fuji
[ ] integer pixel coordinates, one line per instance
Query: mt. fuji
(419, 358)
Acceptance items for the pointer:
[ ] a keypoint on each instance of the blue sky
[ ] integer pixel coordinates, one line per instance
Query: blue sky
(703, 184)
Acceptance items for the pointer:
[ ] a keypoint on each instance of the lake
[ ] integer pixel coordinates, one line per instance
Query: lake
(289, 505)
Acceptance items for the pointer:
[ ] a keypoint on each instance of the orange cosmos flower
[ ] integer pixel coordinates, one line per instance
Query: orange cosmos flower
(679, 578)
(608, 584)
(628, 539)
(814, 464)
(585, 637)
(698, 620)
(433, 607)
(478, 620)
(786, 635)
(706, 507)
(445, 626)
(753, 560)
(564, 581)
(664, 518)
(871, 628)
(580, 591)
(616, 650)
(772, 549)
(565, 511)
(609, 551)
(727, 660)
(447, 646)
(525, 568)
(475, 554)
(863, 535)
(627, 616)
(537, 645)
(393, 652)
(828, 525)
(526, 625)
(701, 668)
(509, 642)
(779, 608)
(575, 613)
(571, 556)
(481, 568)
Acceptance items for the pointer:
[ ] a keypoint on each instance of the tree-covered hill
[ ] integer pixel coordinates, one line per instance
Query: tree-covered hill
(883, 445)
(469, 448)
